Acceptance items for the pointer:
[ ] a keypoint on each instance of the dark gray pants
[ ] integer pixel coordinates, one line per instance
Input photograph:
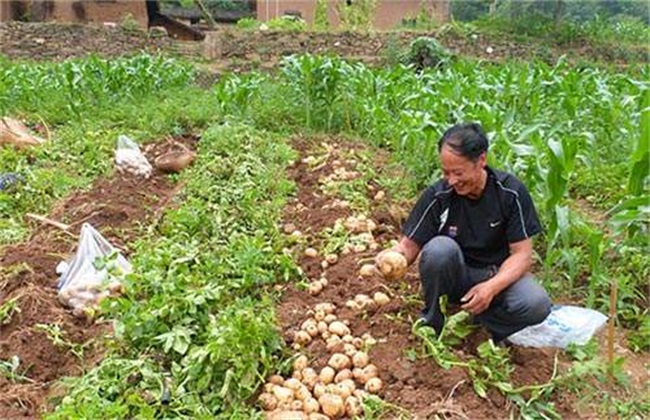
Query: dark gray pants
(443, 272)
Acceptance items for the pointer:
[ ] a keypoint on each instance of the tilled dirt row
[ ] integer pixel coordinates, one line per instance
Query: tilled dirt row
(416, 384)
(115, 206)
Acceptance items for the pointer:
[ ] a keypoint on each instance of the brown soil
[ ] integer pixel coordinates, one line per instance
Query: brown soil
(116, 206)
(418, 384)
(228, 49)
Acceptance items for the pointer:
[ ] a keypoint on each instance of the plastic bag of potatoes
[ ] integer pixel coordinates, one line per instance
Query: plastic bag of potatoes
(129, 158)
(91, 275)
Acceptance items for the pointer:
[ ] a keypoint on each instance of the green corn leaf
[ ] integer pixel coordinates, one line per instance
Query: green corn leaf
(641, 156)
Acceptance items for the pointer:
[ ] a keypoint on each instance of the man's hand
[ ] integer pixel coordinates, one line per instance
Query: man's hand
(478, 298)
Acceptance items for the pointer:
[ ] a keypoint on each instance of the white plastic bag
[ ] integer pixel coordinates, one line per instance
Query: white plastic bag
(564, 325)
(129, 158)
(83, 283)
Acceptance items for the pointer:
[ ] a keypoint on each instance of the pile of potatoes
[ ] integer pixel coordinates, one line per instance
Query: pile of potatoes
(329, 260)
(361, 239)
(86, 297)
(359, 224)
(317, 286)
(336, 390)
(360, 243)
(337, 203)
(363, 302)
(312, 160)
(339, 174)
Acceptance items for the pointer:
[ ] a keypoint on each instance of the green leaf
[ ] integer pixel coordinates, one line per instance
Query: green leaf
(641, 156)
(480, 388)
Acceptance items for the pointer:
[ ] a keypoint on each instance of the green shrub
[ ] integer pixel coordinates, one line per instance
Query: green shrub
(287, 23)
(250, 24)
(426, 52)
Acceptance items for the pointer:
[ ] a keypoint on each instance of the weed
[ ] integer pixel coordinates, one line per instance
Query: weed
(57, 335)
(357, 15)
(7, 309)
(248, 23)
(283, 23)
(424, 53)
(9, 369)
(376, 408)
(321, 20)
(129, 23)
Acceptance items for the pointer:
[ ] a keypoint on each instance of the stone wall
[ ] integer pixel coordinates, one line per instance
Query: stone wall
(232, 49)
(56, 41)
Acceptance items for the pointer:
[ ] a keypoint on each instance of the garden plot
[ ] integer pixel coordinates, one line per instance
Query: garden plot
(196, 334)
(411, 384)
(42, 338)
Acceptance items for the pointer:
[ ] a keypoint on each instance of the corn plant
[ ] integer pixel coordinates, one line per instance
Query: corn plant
(77, 85)
(640, 161)
(235, 93)
(316, 83)
(633, 215)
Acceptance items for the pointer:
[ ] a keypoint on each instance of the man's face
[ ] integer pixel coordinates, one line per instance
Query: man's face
(464, 176)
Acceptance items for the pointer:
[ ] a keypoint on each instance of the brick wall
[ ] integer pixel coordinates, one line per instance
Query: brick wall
(82, 11)
(388, 15)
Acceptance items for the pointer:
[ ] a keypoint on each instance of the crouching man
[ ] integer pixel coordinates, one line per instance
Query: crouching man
(473, 232)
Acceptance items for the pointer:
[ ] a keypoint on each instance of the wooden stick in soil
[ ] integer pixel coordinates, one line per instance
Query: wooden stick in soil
(47, 221)
(206, 13)
(611, 328)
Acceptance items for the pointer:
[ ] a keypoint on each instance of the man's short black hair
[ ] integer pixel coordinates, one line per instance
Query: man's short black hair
(467, 140)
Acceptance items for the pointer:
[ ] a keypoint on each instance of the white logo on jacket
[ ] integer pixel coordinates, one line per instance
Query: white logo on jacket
(443, 219)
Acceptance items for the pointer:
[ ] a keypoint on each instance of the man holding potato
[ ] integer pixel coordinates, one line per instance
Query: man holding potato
(473, 232)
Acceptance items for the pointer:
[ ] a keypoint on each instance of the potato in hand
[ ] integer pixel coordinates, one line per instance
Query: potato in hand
(392, 264)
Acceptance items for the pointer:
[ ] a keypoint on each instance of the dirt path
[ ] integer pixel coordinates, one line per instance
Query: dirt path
(115, 206)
